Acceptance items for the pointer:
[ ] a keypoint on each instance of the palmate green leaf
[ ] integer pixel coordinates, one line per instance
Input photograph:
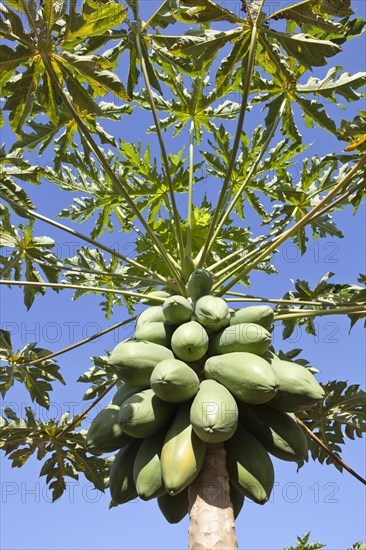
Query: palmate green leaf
(315, 112)
(313, 14)
(308, 51)
(12, 27)
(148, 184)
(204, 11)
(8, 188)
(95, 23)
(316, 178)
(22, 87)
(113, 276)
(324, 291)
(238, 52)
(277, 160)
(10, 59)
(31, 85)
(13, 165)
(198, 46)
(65, 454)
(303, 543)
(335, 8)
(189, 105)
(37, 379)
(345, 85)
(23, 252)
(341, 415)
(99, 199)
(95, 71)
(354, 129)
(98, 377)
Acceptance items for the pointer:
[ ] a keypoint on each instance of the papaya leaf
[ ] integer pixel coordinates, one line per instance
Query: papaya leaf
(353, 130)
(95, 71)
(308, 51)
(36, 378)
(302, 543)
(64, 450)
(98, 377)
(341, 415)
(24, 252)
(111, 276)
(345, 85)
(204, 11)
(95, 23)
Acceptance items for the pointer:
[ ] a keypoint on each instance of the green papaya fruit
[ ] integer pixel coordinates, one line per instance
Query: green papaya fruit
(174, 381)
(276, 430)
(149, 299)
(134, 361)
(177, 310)
(212, 312)
(174, 508)
(190, 341)
(261, 315)
(298, 388)
(237, 500)
(152, 314)
(242, 337)
(124, 392)
(199, 283)
(147, 468)
(144, 414)
(121, 484)
(214, 412)
(183, 452)
(155, 332)
(249, 466)
(105, 434)
(245, 375)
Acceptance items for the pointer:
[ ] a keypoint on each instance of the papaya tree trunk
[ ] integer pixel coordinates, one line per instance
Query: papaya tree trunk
(211, 513)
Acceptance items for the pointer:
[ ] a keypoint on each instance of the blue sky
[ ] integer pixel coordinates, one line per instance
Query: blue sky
(317, 498)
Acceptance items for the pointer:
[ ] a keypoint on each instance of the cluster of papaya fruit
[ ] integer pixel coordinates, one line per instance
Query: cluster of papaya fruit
(197, 373)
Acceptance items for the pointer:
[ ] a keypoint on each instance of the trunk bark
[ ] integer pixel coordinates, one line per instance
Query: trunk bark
(211, 513)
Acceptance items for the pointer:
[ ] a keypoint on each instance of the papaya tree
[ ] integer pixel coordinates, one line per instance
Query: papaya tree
(190, 135)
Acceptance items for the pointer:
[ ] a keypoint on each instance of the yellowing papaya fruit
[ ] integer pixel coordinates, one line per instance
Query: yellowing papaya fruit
(174, 508)
(124, 392)
(147, 468)
(298, 388)
(245, 375)
(199, 283)
(105, 434)
(183, 452)
(190, 341)
(177, 310)
(121, 484)
(249, 466)
(174, 381)
(261, 315)
(150, 315)
(144, 414)
(134, 361)
(212, 312)
(241, 337)
(214, 412)
(155, 332)
(276, 430)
